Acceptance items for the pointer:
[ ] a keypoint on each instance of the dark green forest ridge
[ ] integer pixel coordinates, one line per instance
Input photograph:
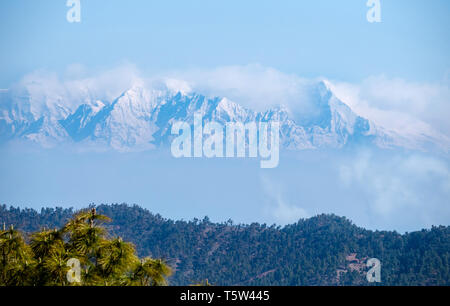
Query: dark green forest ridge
(323, 250)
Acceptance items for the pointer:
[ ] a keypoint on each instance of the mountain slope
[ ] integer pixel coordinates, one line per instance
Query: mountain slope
(323, 250)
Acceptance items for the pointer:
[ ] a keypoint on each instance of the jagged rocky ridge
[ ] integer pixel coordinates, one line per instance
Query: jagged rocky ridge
(141, 119)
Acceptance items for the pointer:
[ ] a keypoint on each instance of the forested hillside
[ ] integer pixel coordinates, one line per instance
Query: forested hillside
(323, 250)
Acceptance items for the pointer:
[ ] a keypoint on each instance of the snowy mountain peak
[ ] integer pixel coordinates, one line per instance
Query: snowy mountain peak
(141, 118)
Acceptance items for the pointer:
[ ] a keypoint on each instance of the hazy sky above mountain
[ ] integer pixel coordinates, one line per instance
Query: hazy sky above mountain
(308, 38)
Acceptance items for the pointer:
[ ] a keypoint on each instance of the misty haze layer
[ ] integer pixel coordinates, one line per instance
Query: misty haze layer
(377, 189)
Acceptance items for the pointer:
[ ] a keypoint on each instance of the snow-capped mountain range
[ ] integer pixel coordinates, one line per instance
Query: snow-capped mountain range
(141, 119)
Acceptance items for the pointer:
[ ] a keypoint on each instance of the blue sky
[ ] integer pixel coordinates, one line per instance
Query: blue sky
(309, 38)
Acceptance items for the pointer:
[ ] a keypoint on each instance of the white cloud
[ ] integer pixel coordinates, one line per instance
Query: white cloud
(77, 86)
(399, 184)
(399, 105)
(278, 209)
(253, 86)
